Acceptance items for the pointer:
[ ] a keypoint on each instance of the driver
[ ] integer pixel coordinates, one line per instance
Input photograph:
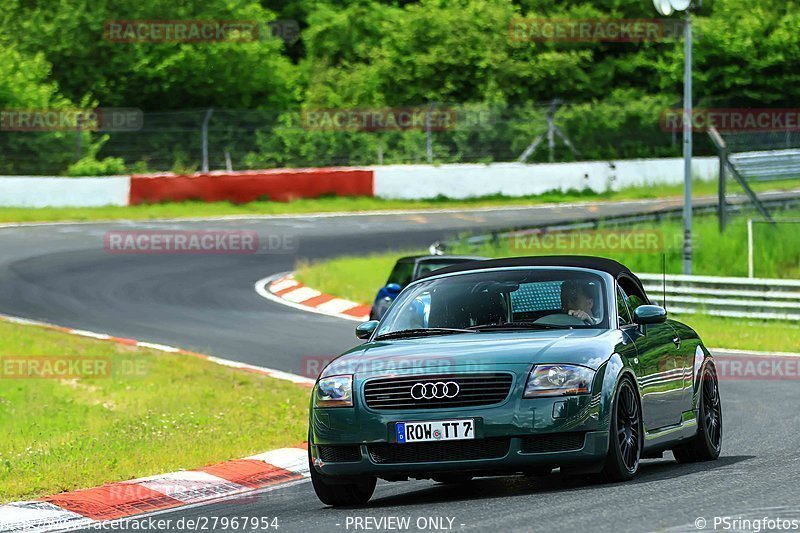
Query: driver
(577, 299)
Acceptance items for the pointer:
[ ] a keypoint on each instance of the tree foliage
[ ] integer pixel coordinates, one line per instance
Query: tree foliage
(393, 53)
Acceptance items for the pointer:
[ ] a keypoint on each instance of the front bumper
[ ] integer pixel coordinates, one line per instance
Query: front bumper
(360, 431)
(593, 451)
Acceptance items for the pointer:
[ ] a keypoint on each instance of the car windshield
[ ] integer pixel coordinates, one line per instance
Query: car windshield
(500, 300)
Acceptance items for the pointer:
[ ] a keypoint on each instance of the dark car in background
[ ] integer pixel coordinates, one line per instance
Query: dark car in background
(408, 269)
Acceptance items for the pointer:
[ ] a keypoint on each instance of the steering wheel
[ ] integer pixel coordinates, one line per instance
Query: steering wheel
(560, 319)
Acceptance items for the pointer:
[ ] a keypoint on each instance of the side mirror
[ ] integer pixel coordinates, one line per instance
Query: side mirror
(393, 287)
(649, 314)
(366, 329)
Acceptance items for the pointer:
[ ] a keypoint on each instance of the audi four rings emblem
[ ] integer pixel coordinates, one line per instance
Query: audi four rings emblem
(438, 390)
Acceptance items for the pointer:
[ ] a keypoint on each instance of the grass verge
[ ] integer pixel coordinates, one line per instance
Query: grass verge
(154, 413)
(776, 249)
(352, 204)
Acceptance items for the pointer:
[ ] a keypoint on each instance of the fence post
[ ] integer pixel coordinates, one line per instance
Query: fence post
(205, 137)
(722, 208)
(79, 138)
(750, 248)
(722, 152)
(428, 140)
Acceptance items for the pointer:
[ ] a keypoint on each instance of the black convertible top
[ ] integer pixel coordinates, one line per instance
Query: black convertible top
(582, 261)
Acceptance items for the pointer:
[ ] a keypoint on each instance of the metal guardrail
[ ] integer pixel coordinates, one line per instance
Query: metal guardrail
(767, 165)
(782, 200)
(760, 298)
(770, 299)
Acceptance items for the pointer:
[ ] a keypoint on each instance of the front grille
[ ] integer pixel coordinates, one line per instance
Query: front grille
(473, 390)
(555, 442)
(339, 454)
(436, 452)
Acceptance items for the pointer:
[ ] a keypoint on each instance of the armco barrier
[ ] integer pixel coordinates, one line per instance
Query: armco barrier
(247, 186)
(769, 299)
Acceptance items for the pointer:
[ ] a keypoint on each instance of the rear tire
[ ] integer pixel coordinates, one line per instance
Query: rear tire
(707, 443)
(340, 494)
(625, 435)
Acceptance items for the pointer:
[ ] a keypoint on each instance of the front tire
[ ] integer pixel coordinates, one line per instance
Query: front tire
(707, 444)
(625, 435)
(340, 494)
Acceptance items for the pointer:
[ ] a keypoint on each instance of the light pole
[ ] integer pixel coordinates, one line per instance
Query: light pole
(665, 8)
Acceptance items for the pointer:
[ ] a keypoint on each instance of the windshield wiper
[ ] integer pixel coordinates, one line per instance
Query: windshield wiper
(418, 332)
(515, 325)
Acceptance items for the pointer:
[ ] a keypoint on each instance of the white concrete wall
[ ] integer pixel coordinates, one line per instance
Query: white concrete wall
(36, 191)
(517, 179)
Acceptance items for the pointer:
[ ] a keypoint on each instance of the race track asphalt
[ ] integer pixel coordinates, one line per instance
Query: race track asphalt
(62, 274)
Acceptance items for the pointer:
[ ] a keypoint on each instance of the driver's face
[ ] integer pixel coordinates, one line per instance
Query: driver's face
(585, 303)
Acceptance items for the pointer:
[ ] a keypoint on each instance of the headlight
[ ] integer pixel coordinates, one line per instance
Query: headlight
(559, 380)
(335, 391)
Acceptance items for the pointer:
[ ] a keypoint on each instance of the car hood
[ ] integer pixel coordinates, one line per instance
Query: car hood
(588, 347)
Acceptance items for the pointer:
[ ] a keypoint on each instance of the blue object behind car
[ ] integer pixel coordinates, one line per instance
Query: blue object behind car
(408, 269)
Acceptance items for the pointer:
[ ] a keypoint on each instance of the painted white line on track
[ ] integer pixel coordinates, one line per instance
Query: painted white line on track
(271, 372)
(279, 374)
(160, 347)
(91, 334)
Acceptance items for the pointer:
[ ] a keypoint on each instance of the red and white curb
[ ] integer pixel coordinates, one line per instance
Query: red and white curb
(284, 289)
(277, 374)
(139, 498)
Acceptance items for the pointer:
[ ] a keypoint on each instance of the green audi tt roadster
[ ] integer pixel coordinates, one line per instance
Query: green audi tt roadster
(513, 366)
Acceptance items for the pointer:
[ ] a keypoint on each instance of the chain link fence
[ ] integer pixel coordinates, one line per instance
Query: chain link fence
(219, 139)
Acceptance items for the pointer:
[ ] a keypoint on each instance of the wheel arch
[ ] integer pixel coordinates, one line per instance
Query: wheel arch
(615, 370)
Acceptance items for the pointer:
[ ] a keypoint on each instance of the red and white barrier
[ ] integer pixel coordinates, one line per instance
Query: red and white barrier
(410, 182)
(281, 185)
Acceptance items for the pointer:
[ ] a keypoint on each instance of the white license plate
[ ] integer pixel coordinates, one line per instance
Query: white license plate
(435, 431)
